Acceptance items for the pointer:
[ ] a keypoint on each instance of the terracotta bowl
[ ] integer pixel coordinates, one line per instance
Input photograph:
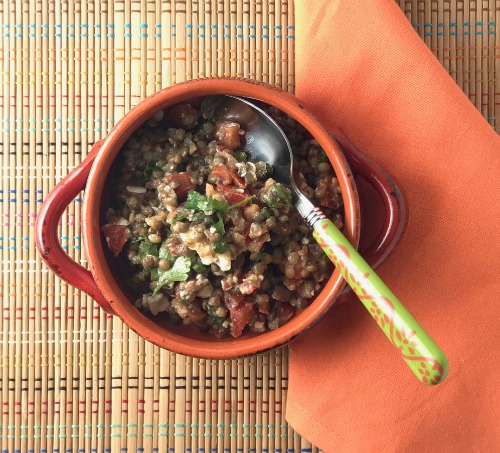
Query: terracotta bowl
(103, 281)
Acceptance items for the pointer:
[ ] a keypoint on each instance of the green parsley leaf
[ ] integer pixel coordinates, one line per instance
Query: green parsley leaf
(220, 247)
(139, 239)
(219, 225)
(217, 320)
(197, 265)
(146, 247)
(198, 202)
(154, 273)
(177, 273)
(165, 254)
(199, 216)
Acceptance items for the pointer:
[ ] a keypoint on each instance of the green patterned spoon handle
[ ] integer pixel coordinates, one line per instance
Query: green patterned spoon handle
(420, 352)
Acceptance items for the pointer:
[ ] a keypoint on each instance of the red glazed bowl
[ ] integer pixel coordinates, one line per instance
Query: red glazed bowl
(103, 283)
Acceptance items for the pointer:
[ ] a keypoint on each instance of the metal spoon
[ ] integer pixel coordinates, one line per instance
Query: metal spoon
(266, 141)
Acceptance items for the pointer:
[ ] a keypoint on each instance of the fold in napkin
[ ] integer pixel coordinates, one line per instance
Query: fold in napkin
(360, 66)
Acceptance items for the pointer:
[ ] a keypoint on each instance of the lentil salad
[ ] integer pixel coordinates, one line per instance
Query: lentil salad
(212, 240)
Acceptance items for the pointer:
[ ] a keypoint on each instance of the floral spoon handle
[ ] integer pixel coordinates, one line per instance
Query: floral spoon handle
(418, 349)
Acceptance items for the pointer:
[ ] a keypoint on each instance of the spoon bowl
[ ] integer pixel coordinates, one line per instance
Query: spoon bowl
(266, 141)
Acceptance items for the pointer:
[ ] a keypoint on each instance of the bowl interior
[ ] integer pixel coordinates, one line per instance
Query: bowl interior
(110, 273)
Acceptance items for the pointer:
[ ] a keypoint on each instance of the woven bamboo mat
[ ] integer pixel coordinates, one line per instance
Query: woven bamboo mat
(72, 378)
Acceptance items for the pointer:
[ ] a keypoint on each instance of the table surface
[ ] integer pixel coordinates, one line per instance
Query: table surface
(74, 379)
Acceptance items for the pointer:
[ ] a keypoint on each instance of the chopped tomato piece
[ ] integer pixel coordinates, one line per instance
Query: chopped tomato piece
(227, 133)
(240, 311)
(223, 173)
(227, 285)
(115, 237)
(231, 194)
(183, 116)
(228, 176)
(183, 182)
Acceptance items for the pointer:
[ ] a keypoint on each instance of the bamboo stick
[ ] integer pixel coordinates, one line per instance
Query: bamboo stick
(172, 361)
(164, 400)
(244, 43)
(166, 51)
(4, 288)
(188, 403)
(213, 35)
(29, 336)
(38, 395)
(188, 36)
(227, 38)
(22, 309)
(290, 85)
(158, 32)
(259, 45)
(195, 53)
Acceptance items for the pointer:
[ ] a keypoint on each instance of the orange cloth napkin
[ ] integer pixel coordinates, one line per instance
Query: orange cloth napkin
(361, 66)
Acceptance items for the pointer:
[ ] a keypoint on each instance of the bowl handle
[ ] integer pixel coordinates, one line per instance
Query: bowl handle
(389, 192)
(46, 231)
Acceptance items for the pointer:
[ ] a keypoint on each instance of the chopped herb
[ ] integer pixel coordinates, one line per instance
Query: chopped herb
(277, 196)
(199, 216)
(150, 168)
(177, 273)
(198, 202)
(198, 266)
(284, 195)
(219, 225)
(165, 254)
(181, 216)
(139, 239)
(217, 320)
(154, 273)
(241, 156)
(146, 247)
(220, 247)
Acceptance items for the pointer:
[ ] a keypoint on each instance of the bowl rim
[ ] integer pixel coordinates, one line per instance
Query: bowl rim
(93, 243)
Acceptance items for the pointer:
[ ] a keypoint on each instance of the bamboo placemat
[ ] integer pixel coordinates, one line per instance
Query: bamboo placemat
(74, 379)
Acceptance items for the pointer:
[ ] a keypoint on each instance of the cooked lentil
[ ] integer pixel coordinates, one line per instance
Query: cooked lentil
(212, 239)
